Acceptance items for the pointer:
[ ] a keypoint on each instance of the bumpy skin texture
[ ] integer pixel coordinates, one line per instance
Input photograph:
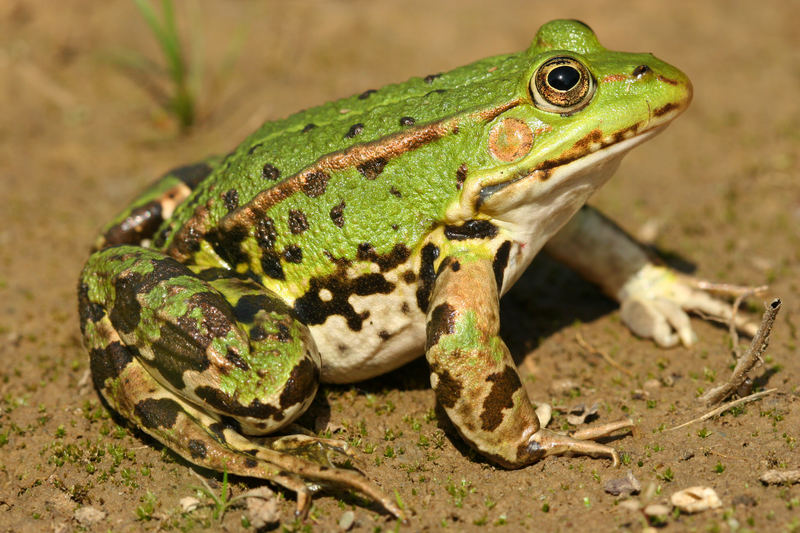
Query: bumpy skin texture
(341, 242)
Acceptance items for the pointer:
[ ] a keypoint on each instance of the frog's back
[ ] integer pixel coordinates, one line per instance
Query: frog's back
(373, 170)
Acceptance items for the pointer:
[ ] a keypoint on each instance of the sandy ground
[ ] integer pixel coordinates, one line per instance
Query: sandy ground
(718, 192)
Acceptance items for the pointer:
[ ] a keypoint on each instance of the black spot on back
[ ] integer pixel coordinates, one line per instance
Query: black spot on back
(337, 214)
(265, 233)
(354, 130)
(398, 255)
(293, 254)
(270, 172)
(372, 168)
(366, 94)
(461, 175)
(231, 199)
(271, 265)
(308, 127)
(407, 121)
(297, 221)
(315, 183)
(431, 77)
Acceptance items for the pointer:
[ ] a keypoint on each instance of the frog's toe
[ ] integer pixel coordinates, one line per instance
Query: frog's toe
(663, 321)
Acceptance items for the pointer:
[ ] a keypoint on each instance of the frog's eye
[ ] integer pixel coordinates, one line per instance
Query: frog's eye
(562, 85)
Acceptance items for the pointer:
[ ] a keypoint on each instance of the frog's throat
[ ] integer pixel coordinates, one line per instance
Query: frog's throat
(493, 200)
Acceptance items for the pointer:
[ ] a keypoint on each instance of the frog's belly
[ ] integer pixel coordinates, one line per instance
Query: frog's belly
(392, 335)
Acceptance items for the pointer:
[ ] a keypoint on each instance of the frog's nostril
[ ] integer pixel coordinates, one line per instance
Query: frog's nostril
(640, 71)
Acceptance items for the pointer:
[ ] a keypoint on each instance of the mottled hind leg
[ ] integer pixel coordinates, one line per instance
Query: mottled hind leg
(202, 363)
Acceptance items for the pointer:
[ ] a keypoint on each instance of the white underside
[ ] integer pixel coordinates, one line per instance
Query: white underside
(531, 213)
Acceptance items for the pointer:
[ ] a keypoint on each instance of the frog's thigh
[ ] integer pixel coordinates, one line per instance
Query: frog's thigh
(228, 346)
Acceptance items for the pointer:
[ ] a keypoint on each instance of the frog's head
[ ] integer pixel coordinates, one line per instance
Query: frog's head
(580, 108)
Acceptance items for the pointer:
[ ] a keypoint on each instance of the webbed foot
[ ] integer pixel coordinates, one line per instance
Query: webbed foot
(655, 303)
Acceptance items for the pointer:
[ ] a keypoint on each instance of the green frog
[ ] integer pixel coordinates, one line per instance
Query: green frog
(347, 239)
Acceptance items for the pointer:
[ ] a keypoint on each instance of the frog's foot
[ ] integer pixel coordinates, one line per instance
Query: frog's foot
(655, 303)
(547, 442)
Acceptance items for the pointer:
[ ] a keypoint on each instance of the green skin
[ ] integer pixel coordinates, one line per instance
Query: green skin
(341, 242)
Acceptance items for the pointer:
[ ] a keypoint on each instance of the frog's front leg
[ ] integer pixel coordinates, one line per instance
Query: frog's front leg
(474, 376)
(207, 364)
(654, 299)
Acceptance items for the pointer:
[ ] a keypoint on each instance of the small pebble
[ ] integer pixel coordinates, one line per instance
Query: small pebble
(262, 507)
(189, 504)
(563, 387)
(651, 384)
(88, 516)
(347, 520)
(655, 510)
(696, 499)
(623, 486)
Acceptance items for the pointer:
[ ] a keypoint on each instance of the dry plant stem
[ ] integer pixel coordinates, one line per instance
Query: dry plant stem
(724, 407)
(727, 288)
(591, 349)
(737, 303)
(780, 477)
(749, 359)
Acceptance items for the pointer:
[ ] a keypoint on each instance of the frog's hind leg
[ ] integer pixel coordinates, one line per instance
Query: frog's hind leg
(298, 463)
(202, 362)
(144, 216)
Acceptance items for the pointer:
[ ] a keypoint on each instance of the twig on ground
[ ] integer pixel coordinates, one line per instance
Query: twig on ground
(724, 407)
(591, 349)
(748, 360)
(737, 303)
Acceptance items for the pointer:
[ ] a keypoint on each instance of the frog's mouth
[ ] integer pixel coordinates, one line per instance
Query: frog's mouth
(584, 168)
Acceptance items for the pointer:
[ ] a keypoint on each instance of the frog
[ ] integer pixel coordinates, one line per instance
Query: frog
(348, 239)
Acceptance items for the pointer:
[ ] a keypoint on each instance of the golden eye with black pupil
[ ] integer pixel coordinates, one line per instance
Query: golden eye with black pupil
(562, 85)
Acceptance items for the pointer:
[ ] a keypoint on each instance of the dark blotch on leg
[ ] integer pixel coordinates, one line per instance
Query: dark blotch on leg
(442, 322)
(301, 385)
(504, 385)
(197, 449)
(108, 362)
(157, 413)
(448, 389)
